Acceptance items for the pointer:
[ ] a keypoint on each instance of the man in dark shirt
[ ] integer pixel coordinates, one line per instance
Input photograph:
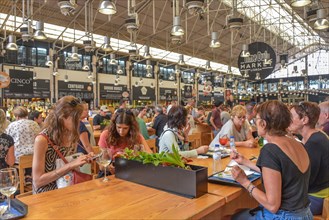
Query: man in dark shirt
(100, 117)
(215, 119)
(159, 122)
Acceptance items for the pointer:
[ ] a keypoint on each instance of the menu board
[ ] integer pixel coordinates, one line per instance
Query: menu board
(81, 90)
(144, 93)
(187, 92)
(167, 94)
(41, 88)
(111, 91)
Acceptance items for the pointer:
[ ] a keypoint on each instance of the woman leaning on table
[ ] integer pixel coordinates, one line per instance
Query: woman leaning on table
(238, 127)
(177, 122)
(284, 165)
(122, 133)
(61, 127)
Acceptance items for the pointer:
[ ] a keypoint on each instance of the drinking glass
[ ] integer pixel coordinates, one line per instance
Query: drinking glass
(223, 141)
(138, 148)
(8, 186)
(104, 160)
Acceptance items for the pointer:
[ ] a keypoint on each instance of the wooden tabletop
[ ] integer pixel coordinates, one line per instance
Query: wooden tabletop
(117, 199)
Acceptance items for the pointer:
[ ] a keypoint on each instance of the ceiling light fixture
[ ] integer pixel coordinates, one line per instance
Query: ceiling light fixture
(321, 22)
(284, 60)
(107, 7)
(214, 43)
(300, 3)
(177, 29)
(35, 75)
(39, 34)
(74, 55)
(147, 54)
(181, 61)
(66, 78)
(149, 74)
(267, 59)
(113, 61)
(12, 43)
(90, 75)
(148, 65)
(208, 67)
(55, 72)
(85, 65)
(119, 70)
(49, 63)
(257, 76)
(106, 46)
(245, 51)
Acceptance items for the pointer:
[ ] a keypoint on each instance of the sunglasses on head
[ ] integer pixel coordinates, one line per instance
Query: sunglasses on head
(123, 110)
(75, 102)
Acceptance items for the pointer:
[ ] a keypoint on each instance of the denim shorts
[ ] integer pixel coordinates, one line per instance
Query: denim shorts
(301, 214)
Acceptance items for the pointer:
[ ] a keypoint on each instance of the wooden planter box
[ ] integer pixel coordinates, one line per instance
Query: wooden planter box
(189, 183)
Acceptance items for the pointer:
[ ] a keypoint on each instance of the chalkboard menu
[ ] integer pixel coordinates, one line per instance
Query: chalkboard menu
(167, 94)
(205, 97)
(111, 91)
(143, 93)
(219, 96)
(21, 84)
(81, 90)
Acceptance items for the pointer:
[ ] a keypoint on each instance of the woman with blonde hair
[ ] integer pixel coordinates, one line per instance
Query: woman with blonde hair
(61, 130)
(238, 127)
(7, 155)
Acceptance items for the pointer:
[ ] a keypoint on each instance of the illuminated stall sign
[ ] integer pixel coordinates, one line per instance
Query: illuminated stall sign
(81, 90)
(167, 94)
(143, 93)
(21, 84)
(111, 91)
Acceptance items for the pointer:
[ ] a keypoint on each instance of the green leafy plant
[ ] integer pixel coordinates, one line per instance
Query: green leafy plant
(163, 158)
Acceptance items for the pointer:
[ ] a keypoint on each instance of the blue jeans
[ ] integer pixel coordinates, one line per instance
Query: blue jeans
(215, 132)
(264, 214)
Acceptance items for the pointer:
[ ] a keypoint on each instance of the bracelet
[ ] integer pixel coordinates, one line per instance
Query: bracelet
(57, 174)
(247, 188)
(250, 192)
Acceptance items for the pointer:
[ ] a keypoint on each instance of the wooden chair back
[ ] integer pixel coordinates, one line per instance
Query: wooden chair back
(25, 161)
(151, 144)
(94, 166)
(195, 139)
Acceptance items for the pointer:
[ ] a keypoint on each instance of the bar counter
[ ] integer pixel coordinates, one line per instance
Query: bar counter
(119, 199)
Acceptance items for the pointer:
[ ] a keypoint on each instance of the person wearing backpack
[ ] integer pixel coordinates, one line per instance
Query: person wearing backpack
(215, 118)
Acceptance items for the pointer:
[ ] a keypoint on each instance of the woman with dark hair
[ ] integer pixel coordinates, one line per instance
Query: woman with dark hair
(304, 118)
(61, 129)
(177, 122)
(122, 133)
(37, 117)
(284, 165)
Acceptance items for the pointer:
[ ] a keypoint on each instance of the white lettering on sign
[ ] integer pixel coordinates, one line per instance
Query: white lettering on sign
(75, 86)
(20, 81)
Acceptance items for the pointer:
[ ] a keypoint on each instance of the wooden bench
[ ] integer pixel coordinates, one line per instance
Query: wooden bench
(195, 139)
(151, 144)
(325, 211)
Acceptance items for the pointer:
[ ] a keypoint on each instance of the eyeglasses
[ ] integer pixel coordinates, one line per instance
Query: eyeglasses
(241, 117)
(74, 102)
(303, 107)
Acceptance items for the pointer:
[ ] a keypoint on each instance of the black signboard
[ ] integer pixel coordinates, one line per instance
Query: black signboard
(219, 96)
(80, 90)
(21, 84)
(204, 96)
(167, 94)
(41, 88)
(187, 93)
(143, 93)
(262, 60)
(111, 91)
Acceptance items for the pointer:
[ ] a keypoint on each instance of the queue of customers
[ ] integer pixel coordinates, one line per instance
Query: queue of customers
(294, 172)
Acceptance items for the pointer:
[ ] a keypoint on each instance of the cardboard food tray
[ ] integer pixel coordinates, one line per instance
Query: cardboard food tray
(218, 178)
(18, 208)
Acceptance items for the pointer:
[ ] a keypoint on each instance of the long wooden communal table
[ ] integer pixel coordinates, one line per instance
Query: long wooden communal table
(119, 199)
(235, 197)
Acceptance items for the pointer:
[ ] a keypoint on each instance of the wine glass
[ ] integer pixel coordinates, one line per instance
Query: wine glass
(8, 186)
(138, 148)
(104, 160)
(223, 141)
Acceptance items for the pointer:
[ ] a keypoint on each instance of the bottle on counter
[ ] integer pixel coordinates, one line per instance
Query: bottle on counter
(217, 156)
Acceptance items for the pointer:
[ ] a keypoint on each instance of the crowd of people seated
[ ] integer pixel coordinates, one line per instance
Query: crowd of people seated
(280, 160)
